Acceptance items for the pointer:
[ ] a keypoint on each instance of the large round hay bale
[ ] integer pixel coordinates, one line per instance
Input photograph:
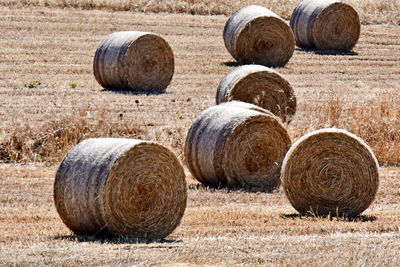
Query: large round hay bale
(261, 86)
(120, 186)
(138, 61)
(255, 34)
(237, 145)
(330, 171)
(325, 25)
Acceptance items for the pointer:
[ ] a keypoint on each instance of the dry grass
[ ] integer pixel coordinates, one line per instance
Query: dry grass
(360, 92)
(370, 11)
(56, 136)
(374, 118)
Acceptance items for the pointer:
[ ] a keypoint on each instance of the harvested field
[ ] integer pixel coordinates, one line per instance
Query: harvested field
(43, 122)
(50, 100)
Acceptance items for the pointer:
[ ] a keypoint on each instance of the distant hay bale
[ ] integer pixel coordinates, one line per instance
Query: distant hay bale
(137, 61)
(120, 186)
(330, 171)
(261, 86)
(325, 25)
(237, 145)
(255, 34)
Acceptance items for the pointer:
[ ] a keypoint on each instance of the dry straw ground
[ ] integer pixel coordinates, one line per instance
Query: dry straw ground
(49, 100)
(219, 228)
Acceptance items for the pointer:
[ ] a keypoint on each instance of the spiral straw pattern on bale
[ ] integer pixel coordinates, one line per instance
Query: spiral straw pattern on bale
(120, 186)
(136, 61)
(256, 35)
(237, 145)
(261, 86)
(325, 25)
(330, 171)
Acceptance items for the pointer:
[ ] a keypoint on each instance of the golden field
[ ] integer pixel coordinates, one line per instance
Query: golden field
(49, 101)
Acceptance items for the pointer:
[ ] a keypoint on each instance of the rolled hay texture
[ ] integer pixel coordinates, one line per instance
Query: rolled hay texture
(136, 61)
(237, 144)
(256, 35)
(325, 25)
(121, 186)
(261, 86)
(330, 171)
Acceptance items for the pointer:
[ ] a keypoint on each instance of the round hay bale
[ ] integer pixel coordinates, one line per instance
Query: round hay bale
(250, 106)
(255, 34)
(137, 61)
(330, 171)
(261, 86)
(120, 186)
(325, 25)
(237, 145)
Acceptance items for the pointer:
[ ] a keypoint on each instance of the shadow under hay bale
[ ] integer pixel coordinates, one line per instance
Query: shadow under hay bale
(231, 64)
(121, 187)
(327, 52)
(135, 61)
(330, 171)
(238, 145)
(256, 35)
(224, 189)
(135, 92)
(325, 25)
(359, 218)
(113, 239)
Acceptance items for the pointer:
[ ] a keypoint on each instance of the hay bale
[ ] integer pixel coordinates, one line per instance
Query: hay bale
(250, 106)
(255, 34)
(325, 25)
(138, 61)
(120, 186)
(261, 86)
(237, 145)
(330, 171)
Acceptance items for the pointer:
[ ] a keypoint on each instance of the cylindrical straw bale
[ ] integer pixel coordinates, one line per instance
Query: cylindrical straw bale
(237, 145)
(261, 86)
(240, 104)
(325, 25)
(120, 186)
(256, 35)
(330, 171)
(136, 61)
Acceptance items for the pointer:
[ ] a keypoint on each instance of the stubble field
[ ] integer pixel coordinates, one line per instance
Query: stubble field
(49, 101)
